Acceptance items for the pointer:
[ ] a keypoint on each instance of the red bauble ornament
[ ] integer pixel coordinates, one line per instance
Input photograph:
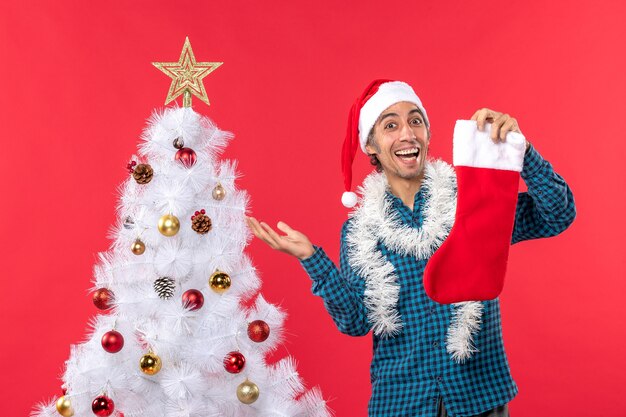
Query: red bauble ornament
(186, 156)
(258, 331)
(103, 406)
(103, 298)
(234, 362)
(193, 299)
(112, 341)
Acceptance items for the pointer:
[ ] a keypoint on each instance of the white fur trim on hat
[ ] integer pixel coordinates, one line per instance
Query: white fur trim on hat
(474, 148)
(387, 95)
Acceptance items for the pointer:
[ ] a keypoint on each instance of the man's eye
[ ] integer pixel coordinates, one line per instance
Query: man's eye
(416, 121)
(390, 125)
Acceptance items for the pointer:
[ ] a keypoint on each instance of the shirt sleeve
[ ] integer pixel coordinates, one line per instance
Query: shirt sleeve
(341, 289)
(548, 207)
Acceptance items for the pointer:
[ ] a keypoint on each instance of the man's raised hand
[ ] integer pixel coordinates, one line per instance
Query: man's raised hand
(501, 124)
(292, 243)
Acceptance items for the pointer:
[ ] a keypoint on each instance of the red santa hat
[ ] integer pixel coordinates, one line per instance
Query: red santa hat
(366, 109)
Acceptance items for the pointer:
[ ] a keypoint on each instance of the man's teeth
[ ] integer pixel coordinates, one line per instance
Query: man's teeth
(408, 152)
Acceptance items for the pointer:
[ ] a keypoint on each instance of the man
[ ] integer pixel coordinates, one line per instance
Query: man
(416, 369)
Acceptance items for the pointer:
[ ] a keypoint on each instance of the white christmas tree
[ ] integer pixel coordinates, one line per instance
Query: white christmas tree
(175, 339)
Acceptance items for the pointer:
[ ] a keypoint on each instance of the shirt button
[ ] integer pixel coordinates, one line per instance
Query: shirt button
(439, 379)
(435, 344)
(432, 310)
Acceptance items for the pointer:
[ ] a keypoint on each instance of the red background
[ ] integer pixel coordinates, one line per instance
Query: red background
(77, 86)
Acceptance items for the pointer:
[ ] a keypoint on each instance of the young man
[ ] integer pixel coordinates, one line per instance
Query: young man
(417, 368)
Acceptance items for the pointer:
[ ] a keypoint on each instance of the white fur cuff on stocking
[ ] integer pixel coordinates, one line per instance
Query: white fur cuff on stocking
(474, 148)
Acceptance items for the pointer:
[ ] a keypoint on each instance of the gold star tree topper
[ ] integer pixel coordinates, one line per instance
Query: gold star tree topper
(187, 75)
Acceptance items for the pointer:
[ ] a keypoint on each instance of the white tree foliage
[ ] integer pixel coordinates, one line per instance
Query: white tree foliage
(191, 344)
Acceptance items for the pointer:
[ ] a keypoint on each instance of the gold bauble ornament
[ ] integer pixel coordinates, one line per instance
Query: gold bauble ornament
(169, 225)
(64, 407)
(219, 281)
(219, 192)
(138, 247)
(150, 364)
(247, 392)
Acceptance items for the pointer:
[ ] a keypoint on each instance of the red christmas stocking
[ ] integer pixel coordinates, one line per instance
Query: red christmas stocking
(471, 263)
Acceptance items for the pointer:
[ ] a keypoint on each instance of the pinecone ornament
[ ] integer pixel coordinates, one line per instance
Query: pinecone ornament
(200, 222)
(143, 173)
(164, 287)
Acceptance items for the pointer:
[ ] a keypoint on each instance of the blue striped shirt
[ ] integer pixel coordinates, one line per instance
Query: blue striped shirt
(410, 371)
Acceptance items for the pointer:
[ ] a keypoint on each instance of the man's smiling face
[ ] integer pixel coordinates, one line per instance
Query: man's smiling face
(400, 141)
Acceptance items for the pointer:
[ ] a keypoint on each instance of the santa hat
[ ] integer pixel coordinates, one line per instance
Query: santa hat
(366, 109)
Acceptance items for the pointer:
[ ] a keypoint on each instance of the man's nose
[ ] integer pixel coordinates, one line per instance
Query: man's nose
(406, 133)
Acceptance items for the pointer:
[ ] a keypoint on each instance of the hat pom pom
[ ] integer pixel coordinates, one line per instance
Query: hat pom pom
(349, 199)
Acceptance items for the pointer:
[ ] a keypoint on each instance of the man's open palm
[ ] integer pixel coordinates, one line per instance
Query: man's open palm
(293, 242)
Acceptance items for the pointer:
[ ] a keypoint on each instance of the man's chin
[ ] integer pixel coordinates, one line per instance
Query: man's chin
(404, 171)
(409, 174)
(415, 168)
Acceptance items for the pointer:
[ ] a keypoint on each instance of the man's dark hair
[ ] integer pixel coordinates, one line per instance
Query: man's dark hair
(373, 158)
(370, 141)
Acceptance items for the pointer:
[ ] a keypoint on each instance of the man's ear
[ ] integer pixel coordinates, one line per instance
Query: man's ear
(370, 149)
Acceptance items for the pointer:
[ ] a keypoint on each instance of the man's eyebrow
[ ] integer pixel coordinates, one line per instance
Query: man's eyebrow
(382, 117)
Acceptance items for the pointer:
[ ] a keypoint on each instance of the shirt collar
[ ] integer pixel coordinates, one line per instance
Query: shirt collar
(399, 204)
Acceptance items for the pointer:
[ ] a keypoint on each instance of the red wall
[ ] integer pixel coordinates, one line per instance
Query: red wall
(77, 86)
